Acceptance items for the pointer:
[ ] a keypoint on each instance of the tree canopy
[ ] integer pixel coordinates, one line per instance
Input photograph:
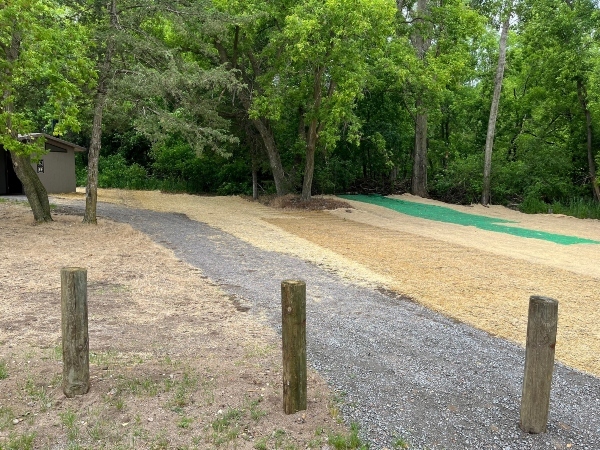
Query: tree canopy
(317, 96)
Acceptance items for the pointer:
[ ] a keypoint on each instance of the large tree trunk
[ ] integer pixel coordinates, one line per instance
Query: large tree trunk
(281, 184)
(309, 168)
(582, 94)
(34, 189)
(421, 42)
(419, 177)
(91, 192)
(491, 131)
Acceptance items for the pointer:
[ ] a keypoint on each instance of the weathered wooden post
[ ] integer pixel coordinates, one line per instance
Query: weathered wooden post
(293, 331)
(75, 343)
(539, 363)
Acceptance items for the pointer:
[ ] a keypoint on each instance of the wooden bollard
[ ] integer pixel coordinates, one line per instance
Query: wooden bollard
(293, 331)
(539, 363)
(75, 343)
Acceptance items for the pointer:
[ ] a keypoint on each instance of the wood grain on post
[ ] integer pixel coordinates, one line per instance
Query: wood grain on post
(539, 363)
(293, 331)
(75, 343)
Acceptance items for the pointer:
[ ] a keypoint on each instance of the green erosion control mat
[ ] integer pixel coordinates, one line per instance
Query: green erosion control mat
(443, 214)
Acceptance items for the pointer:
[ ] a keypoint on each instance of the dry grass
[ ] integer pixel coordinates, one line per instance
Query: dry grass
(174, 363)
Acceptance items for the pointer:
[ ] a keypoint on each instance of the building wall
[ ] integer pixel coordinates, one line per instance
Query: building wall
(59, 171)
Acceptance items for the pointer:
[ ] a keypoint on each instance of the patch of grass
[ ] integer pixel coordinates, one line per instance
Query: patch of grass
(347, 442)
(3, 370)
(255, 412)
(6, 418)
(103, 358)
(138, 386)
(400, 443)
(185, 422)
(37, 393)
(18, 442)
(226, 427)
(261, 444)
(69, 420)
(183, 391)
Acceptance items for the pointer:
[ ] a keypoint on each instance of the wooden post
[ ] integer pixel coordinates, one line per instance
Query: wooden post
(293, 332)
(539, 363)
(75, 343)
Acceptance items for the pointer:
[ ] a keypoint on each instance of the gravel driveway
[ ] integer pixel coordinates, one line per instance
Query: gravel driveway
(399, 370)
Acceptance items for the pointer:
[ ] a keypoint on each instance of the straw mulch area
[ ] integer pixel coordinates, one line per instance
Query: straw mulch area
(475, 276)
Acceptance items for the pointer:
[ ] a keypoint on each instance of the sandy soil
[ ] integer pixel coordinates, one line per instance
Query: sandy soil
(479, 277)
(175, 363)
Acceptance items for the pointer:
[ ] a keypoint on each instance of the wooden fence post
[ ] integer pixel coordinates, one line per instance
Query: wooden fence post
(75, 343)
(293, 332)
(539, 363)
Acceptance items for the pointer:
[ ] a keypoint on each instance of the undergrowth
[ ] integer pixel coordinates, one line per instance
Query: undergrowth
(577, 207)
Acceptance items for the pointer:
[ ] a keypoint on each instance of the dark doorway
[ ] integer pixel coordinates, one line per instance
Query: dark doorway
(9, 182)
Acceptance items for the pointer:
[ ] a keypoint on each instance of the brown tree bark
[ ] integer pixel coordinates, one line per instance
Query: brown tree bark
(421, 44)
(419, 177)
(491, 131)
(582, 94)
(91, 191)
(36, 193)
(281, 183)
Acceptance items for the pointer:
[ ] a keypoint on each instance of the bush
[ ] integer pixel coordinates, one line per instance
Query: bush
(113, 172)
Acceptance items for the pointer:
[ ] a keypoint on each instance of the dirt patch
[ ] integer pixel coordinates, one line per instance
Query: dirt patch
(295, 202)
(175, 363)
(476, 276)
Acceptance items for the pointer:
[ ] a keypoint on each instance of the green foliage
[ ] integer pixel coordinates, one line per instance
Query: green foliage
(45, 69)
(347, 442)
(116, 173)
(18, 442)
(3, 370)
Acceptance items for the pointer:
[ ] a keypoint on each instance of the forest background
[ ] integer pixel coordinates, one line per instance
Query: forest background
(314, 96)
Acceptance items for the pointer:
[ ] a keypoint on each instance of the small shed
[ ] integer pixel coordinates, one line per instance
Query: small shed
(56, 169)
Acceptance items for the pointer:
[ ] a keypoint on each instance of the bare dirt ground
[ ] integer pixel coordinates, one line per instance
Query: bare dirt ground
(174, 362)
(479, 277)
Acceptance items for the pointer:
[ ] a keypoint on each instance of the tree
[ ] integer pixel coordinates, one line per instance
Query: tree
(442, 35)
(489, 141)
(39, 47)
(322, 58)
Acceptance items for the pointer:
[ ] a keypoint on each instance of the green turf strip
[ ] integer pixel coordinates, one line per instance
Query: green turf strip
(443, 214)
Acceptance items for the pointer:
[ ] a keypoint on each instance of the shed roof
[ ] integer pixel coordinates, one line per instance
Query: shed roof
(52, 140)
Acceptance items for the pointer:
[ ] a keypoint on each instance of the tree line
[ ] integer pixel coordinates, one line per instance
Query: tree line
(466, 101)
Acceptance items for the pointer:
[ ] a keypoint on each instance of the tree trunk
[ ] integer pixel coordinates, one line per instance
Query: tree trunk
(421, 44)
(254, 177)
(419, 178)
(309, 168)
(281, 184)
(489, 140)
(34, 189)
(91, 192)
(582, 94)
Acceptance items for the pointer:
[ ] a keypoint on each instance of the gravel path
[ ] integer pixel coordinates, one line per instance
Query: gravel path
(400, 370)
